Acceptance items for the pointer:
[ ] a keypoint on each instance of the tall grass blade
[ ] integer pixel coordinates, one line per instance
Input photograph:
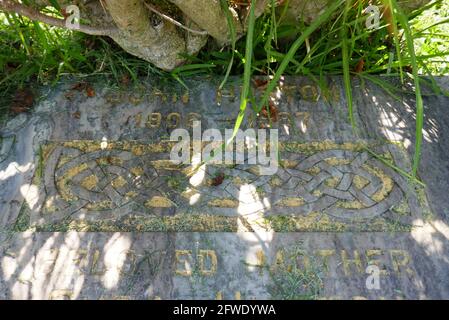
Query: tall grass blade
(403, 20)
(295, 46)
(224, 6)
(247, 71)
(346, 66)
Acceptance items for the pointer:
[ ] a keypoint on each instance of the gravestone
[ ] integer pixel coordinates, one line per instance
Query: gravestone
(93, 208)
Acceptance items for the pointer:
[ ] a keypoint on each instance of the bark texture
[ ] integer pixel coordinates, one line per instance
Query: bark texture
(154, 40)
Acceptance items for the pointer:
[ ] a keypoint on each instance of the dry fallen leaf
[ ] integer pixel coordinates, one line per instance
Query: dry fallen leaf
(273, 114)
(218, 179)
(79, 86)
(260, 84)
(64, 13)
(69, 95)
(23, 101)
(125, 80)
(76, 115)
(360, 66)
(90, 91)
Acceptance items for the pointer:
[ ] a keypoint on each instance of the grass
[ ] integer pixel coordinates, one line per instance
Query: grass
(408, 46)
(291, 281)
(289, 56)
(32, 52)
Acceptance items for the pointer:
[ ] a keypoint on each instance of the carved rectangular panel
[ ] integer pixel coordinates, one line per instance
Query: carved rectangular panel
(130, 186)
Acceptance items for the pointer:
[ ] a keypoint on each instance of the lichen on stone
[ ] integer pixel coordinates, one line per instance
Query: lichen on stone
(290, 202)
(118, 182)
(332, 182)
(275, 181)
(159, 202)
(355, 204)
(360, 182)
(387, 182)
(334, 161)
(90, 182)
(224, 203)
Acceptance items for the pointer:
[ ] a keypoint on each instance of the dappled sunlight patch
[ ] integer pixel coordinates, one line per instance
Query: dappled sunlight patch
(31, 195)
(432, 237)
(114, 258)
(13, 169)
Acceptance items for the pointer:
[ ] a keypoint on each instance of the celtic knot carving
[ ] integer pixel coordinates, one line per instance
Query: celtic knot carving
(347, 185)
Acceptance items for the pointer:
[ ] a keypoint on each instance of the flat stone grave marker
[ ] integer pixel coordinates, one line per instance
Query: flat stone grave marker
(93, 208)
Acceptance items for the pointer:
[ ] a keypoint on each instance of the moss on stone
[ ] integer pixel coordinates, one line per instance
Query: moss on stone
(224, 203)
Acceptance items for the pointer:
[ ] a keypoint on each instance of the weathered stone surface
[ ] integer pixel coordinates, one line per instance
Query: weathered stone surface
(92, 208)
(214, 265)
